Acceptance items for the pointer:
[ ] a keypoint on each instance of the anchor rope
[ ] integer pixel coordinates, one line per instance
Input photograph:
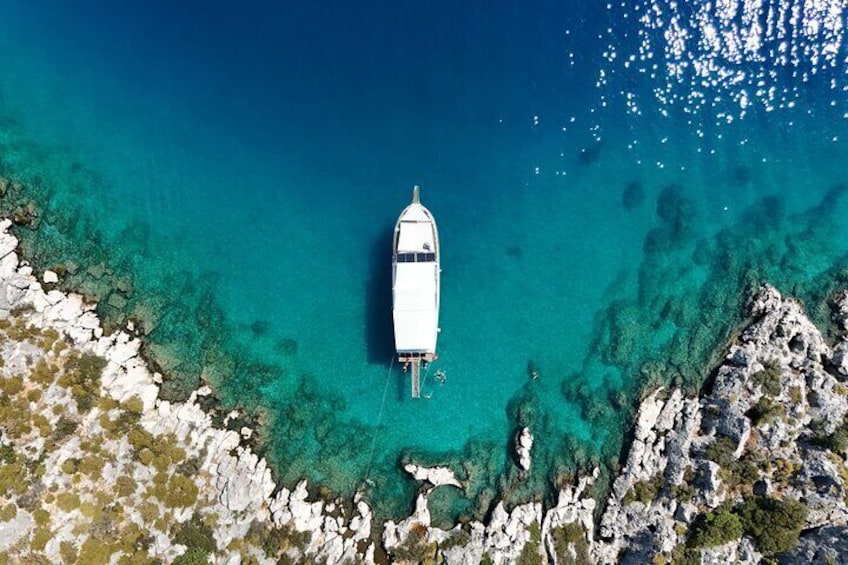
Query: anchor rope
(379, 420)
(426, 373)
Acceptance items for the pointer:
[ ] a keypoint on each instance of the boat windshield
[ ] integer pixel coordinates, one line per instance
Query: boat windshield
(416, 257)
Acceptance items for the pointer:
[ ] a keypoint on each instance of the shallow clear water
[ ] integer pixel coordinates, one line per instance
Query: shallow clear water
(605, 199)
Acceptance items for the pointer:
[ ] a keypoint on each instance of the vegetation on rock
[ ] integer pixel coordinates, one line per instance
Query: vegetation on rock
(197, 537)
(766, 411)
(721, 451)
(768, 379)
(773, 523)
(569, 536)
(644, 491)
(531, 553)
(715, 528)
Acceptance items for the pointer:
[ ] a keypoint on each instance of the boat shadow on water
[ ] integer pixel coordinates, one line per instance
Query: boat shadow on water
(379, 335)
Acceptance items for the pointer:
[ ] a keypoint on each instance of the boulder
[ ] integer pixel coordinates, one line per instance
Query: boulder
(523, 445)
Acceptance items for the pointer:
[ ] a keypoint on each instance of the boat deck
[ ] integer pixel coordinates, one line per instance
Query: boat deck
(415, 289)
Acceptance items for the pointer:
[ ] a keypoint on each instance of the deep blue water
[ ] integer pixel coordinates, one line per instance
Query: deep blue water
(601, 217)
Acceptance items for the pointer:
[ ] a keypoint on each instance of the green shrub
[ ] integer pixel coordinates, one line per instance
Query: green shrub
(15, 416)
(68, 551)
(273, 541)
(91, 465)
(67, 501)
(34, 395)
(12, 385)
(41, 516)
(69, 466)
(64, 428)
(530, 553)
(416, 550)
(774, 524)
(40, 538)
(783, 469)
(125, 486)
(567, 535)
(644, 491)
(684, 492)
(769, 378)
(715, 528)
(140, 438)
(742, 473)
(192, 556)
(721, 451)
(43, 374)
(457, 539)
(8, 512)
(766, 411)
(178, 492)
(836, 442)
(48, 338)
(194, 534)
(82, 377)
(13, 477)
(682, 555)
(149, 512)
(134, 405)
(88, 366)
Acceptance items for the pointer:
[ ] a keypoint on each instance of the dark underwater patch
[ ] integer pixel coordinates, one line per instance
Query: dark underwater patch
(515, 252)
(260, 327)
(633, 195)
(590, 154)
(287, 347)
(739, 175)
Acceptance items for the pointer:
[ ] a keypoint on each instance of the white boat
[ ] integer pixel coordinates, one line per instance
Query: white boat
(415, 288)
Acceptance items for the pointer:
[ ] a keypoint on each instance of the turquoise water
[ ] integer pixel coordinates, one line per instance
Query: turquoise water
(239, 171)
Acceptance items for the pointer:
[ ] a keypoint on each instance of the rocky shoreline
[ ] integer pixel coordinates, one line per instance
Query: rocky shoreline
(96, 468)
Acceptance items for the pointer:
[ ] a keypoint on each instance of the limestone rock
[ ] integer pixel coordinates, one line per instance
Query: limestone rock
(523, 445)
(828, 544)
(15, 529)
(436, 476)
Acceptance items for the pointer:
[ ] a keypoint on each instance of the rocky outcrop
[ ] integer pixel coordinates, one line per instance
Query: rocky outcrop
(769, 438)
(433, 476)
(663, 436)
(523, 445)
(767, 431)
(828, 544)
(503, 539)
(89, 415)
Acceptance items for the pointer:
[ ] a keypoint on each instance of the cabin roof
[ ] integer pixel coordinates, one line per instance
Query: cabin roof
(416, 313)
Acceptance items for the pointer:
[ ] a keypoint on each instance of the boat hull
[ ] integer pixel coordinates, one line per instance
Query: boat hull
(416, 275)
